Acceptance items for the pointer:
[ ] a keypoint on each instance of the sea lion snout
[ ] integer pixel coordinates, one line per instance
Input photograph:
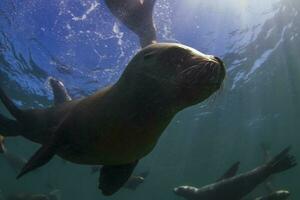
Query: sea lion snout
(209, 72)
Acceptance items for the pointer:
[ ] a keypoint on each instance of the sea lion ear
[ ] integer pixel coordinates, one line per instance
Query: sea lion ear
(231, 171)
(112, 178)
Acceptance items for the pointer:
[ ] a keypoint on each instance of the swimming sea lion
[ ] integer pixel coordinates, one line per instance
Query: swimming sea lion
(121, 124)
(137, 16)
(278, 195)
(236, 187)
(60, 92)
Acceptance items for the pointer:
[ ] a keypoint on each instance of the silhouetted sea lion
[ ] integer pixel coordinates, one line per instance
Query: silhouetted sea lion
(278, 195)
(137, 16)
(121, 124)
(236, 187)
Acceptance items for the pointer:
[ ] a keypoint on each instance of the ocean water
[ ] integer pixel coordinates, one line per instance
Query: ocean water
(80, 43)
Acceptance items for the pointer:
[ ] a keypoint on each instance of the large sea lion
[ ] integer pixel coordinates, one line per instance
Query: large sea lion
(237, 187)
(120, 124)
(137, 16)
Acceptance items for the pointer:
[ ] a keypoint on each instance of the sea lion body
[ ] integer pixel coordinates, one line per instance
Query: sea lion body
(121, 124)
(237, 187)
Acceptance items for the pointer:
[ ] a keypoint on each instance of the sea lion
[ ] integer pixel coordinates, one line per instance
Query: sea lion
(278, 195)
(120, 124)
(59, 90)
(137, 16)
(236, 187)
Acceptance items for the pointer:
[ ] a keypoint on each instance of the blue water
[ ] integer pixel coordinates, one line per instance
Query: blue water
(82, 44)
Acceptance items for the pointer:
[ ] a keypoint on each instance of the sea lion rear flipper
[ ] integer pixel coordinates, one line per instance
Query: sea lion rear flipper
(231, 171)
(112, 178)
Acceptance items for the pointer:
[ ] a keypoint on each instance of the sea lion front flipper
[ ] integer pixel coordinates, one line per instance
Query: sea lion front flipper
(112, 178)
(231, 171)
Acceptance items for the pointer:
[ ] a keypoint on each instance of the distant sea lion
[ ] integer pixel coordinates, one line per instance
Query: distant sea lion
(60, 92)
(121, 124)
(236, 187)
(137, 16)
(278, 195)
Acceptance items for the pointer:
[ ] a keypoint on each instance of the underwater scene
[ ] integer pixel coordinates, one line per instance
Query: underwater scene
(149, 99)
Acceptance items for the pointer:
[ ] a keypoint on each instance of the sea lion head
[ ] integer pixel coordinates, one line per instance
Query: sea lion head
(178, 75)
(185, 191)
(56, 85)
(59, 91)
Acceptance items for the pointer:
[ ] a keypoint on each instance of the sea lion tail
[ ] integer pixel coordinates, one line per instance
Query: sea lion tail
(283, 161)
